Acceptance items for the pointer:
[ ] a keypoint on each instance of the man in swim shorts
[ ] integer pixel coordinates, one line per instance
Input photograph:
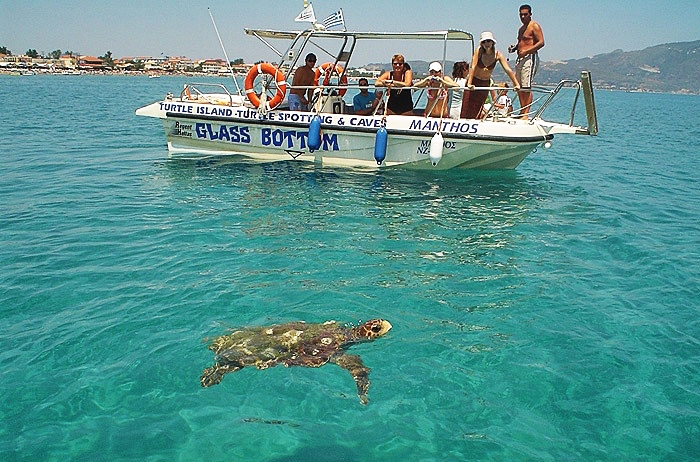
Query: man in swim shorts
(530, 39)
(303, 77)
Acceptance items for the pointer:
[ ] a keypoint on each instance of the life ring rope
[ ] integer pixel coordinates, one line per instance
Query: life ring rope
(272, 71)
(328, 70)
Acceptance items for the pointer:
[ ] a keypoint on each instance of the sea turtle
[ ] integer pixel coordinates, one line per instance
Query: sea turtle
(294, 344)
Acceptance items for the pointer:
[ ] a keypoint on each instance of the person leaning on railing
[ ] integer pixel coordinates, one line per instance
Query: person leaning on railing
(483, 63)
(460, 71)
(437, 94)
(399, 101)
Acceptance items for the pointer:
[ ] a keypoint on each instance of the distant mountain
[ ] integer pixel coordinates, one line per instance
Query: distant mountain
(670, 68)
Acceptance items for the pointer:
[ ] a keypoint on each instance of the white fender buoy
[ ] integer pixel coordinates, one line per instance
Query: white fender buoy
(380, 145)
(436, 148)
(315, 133)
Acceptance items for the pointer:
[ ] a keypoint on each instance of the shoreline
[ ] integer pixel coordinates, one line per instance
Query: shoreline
(154, 74)
(30, 72)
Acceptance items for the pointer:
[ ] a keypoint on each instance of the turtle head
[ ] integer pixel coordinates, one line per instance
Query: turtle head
(371, 329)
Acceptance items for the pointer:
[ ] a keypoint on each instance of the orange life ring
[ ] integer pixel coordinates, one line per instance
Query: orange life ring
(327, 69)
(269, 69)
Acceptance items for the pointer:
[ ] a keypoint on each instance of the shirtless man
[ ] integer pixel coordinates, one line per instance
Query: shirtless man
(530, 39)
(304, 76)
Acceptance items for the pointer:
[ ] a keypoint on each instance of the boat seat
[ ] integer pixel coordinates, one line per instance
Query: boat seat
(330, 104)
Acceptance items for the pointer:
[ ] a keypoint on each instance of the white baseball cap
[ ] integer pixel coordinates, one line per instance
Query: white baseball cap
(435, 66)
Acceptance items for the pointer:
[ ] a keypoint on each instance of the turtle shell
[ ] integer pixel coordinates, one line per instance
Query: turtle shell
(294, 344)
(291, 344)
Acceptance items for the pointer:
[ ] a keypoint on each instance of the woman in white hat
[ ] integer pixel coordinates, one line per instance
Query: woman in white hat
(437, 94)
(483, 63)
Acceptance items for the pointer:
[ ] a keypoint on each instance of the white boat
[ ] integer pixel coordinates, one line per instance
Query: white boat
(208, 119)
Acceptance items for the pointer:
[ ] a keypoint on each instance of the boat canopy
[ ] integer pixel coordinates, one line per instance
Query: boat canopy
(299, 40)
(449, 34)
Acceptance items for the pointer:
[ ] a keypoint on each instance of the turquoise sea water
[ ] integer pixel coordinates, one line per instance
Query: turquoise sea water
(550, 313)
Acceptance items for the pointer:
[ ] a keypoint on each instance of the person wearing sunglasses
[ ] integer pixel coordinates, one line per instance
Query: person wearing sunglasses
(483, 63)
(303, 77)
(366, 102)
(437, 94)
(530, 40)
(400, 76)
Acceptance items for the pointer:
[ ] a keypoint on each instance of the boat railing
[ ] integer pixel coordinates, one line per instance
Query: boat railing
(324, 91)
(193, 92)
(221, 96)
(552, 94)
(330, 90)
(584, 85)
(548, 96)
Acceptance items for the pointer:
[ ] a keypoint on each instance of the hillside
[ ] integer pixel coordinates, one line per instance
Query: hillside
(671, 68)
(668, 68)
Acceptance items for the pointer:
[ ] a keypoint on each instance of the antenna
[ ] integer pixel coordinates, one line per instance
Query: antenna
(228, 61)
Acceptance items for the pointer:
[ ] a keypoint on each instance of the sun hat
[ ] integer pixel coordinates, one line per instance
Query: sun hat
(435, 66)
(487, 36)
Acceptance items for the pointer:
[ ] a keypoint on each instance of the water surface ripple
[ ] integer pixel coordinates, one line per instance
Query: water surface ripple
(549, 313)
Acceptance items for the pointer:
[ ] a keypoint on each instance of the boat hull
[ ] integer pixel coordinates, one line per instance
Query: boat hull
(346, 139)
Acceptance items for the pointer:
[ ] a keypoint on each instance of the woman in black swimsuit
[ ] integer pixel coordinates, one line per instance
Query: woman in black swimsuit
(483, 64)
(400, 100)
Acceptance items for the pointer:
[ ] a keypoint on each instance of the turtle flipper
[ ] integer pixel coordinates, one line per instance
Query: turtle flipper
(213, 375)
(359, 372)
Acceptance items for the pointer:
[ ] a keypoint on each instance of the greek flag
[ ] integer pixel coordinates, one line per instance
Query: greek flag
(307, 14)
(335, 19)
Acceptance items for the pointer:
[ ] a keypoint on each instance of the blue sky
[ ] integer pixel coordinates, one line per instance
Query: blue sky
(183, 28)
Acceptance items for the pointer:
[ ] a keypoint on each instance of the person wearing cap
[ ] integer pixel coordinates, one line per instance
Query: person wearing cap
(399, 101)
(483, 63)
(437, 94)
(304, 76)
